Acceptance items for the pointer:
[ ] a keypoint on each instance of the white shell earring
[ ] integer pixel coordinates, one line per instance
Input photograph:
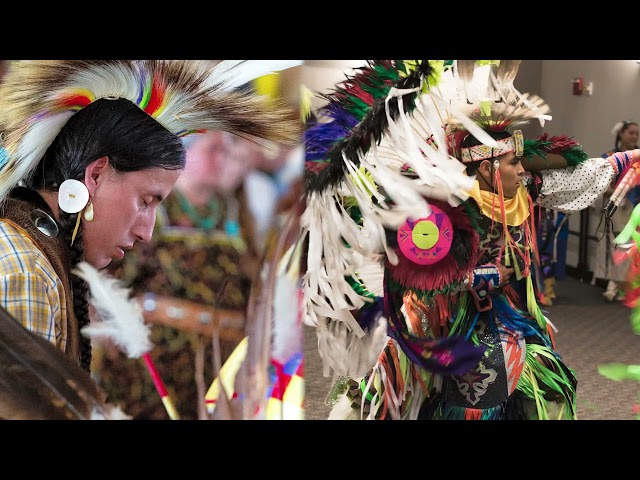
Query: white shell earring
(72, 196)
(88, 212)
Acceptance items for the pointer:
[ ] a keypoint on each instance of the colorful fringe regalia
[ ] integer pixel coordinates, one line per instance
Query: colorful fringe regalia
(400, 237)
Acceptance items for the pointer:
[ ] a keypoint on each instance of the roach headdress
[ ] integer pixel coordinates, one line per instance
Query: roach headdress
(37, 98)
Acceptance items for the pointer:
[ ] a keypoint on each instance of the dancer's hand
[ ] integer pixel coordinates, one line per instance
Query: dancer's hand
(505, 274)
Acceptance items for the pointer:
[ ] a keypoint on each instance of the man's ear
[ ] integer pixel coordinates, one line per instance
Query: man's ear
(93, 172)
(485, 168)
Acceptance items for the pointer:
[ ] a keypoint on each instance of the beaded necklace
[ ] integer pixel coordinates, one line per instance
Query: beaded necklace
(212, 212)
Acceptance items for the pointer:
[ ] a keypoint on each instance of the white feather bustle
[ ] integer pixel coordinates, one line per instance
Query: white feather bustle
(386, 196)
(337, 243)
(343, 353)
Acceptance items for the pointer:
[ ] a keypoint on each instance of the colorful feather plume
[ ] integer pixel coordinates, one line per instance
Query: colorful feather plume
(38, 97)
(347, 106)
(509, 113)
(562, 145)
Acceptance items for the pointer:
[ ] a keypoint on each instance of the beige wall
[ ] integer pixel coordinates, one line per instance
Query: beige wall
(616, 96)
(321, 75)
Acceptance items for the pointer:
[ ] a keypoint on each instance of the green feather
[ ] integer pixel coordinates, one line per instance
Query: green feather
(619, 371)
(574, 155)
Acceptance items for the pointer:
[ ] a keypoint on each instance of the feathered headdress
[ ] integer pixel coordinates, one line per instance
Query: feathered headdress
(38, 97)
(493, 104)
(379, 162)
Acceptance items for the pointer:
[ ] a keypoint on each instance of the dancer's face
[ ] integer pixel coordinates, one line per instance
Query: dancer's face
(124, 206)
(511, 171)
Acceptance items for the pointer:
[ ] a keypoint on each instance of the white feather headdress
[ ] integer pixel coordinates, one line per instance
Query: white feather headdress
(37, 98)
(379, 152)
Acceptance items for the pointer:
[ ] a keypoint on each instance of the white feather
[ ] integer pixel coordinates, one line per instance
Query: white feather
(234, 73)
(342, 410)
(111, 412)
(344, 354)
(287, 325)
(120, 318)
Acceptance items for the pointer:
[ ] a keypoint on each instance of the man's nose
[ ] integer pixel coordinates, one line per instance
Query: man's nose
(143, 230)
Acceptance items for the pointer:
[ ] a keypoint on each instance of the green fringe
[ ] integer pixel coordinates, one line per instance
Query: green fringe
(536, 378)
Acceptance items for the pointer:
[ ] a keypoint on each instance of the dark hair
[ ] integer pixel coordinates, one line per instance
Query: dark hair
(471, 141)
(625, 124)
(117, 128)
(132, 139)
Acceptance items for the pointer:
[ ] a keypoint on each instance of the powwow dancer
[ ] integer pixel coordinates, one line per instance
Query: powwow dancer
(420, 191)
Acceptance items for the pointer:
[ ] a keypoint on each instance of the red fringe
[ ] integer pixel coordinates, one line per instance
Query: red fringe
(472, 414)
(559, 143)
(437, 317)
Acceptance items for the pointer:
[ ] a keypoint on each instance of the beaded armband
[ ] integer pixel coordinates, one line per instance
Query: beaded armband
(620, 161)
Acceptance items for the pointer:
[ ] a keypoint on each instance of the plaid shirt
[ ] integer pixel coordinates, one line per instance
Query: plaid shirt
(30, 289)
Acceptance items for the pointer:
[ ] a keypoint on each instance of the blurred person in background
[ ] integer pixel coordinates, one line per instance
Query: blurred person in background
(268, 183)
(626, 134)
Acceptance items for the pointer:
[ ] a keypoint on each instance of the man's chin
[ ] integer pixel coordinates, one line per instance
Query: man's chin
(511, 194)
(101, 263)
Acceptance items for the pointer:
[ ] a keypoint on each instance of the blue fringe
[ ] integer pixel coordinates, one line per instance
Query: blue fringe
(518, 320)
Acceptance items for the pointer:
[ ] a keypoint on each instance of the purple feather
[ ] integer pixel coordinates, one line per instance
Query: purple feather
(322, 137)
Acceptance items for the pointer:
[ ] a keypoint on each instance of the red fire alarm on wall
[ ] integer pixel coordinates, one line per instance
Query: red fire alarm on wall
(577, 86)
(582, 88)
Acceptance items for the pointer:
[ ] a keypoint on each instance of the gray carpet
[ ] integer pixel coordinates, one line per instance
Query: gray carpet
(590, 332)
